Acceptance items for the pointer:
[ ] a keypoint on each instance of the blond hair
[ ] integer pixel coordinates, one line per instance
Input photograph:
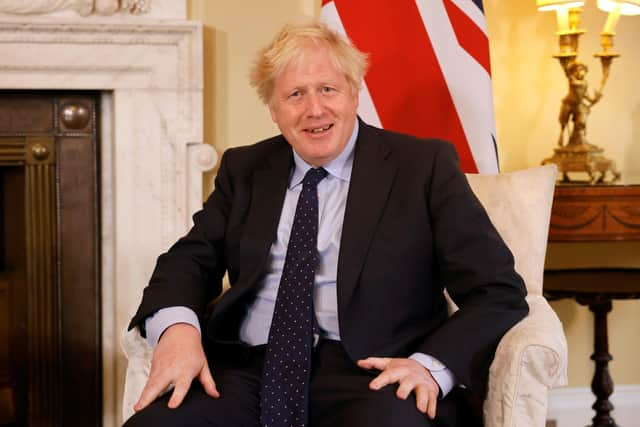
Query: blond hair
(292, 42)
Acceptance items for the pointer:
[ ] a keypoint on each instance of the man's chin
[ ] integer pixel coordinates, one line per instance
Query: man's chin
(316, 158)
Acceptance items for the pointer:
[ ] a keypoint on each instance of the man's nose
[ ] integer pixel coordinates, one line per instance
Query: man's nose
(314, 105)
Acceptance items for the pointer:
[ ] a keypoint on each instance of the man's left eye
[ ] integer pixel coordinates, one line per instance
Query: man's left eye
(327, 89)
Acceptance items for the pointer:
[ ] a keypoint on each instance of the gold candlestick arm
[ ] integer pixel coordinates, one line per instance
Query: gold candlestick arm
(606, 56)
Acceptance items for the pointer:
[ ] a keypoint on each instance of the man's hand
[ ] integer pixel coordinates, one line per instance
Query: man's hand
(177, 359)
(410, 376)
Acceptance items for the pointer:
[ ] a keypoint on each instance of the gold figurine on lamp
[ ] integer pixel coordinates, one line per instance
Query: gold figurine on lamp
(574, 153)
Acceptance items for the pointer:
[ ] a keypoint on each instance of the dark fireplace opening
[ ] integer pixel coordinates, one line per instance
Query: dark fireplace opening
(50, 296)
(12, 271)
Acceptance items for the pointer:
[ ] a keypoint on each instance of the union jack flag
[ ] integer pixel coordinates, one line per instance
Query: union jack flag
(429, 72)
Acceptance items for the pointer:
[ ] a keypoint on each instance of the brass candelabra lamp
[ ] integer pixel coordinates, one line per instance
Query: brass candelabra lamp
(573, 152)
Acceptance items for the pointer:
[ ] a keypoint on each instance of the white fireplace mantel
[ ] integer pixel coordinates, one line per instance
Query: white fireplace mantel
(152, 153)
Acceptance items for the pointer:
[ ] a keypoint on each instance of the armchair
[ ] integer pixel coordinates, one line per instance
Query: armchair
(532, 357)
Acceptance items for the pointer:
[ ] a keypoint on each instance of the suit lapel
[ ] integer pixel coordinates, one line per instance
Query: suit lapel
(371, 180)
(267, 197)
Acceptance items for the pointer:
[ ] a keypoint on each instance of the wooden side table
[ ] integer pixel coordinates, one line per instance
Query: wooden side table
(596, 213)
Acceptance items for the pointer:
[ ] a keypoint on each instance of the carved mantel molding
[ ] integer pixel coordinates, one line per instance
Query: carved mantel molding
(90, 10)
(81, 7)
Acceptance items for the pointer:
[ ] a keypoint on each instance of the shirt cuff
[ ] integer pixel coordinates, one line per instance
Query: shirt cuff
(443, 375)
(159, 321)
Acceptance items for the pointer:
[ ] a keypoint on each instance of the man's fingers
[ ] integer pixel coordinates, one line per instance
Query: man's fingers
(405, 388)
(206, 379)
(151, 390)
(387, 377)
(179, 392)
(432, 403)
(379, 363)
(410, 376)
(177, 359)
(422, 399)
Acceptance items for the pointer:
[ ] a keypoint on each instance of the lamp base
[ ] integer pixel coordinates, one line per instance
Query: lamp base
(585, 158)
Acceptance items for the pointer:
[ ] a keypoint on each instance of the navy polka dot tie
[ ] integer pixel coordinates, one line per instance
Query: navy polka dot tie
(284, 396)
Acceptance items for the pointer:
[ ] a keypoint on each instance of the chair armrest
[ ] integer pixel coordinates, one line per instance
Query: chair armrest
(138, 353)
(530, 359)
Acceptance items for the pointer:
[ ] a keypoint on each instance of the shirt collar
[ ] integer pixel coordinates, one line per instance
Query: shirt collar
(340, 167)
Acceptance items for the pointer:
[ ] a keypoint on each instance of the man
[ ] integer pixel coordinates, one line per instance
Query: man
(339, 239)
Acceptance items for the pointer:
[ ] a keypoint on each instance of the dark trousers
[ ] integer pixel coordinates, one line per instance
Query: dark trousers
(339, 396)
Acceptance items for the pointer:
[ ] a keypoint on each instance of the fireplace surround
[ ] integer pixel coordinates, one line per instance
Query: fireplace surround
(148, 68)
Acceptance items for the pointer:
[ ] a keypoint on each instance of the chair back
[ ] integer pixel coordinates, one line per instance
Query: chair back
(519, 206)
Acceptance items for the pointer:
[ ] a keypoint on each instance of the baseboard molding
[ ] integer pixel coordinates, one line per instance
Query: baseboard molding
(571, 407)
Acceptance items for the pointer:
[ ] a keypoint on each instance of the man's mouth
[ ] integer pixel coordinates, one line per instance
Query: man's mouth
(319, 130)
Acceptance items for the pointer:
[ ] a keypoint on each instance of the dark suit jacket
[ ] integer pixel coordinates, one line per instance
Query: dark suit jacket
(412, 227)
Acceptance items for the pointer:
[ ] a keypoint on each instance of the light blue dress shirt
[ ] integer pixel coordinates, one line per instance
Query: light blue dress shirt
(332, 199)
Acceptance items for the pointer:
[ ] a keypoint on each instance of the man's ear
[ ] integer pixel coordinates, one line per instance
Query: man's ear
(356, 98)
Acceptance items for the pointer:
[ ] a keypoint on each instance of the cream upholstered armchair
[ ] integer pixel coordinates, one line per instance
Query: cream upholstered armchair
(532, 357)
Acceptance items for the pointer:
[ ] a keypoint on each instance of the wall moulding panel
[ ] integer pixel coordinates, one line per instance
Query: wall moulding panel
(152, 152)
(130, 10)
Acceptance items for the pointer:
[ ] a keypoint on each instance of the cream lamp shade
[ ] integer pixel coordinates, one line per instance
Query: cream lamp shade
(615, 9)
(544, 5)
(562, 10)
(626, 7)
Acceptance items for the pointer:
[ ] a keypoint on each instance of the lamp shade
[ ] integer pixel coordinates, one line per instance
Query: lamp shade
(625, 7)
(557, 4)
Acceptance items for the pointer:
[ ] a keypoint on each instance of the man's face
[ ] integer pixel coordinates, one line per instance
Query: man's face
(314, 107)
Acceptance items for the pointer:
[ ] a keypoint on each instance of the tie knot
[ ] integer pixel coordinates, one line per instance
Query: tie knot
(314, 176)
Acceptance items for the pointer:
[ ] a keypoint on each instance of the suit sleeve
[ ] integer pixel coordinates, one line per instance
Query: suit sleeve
(477, 269)
(190, 273)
